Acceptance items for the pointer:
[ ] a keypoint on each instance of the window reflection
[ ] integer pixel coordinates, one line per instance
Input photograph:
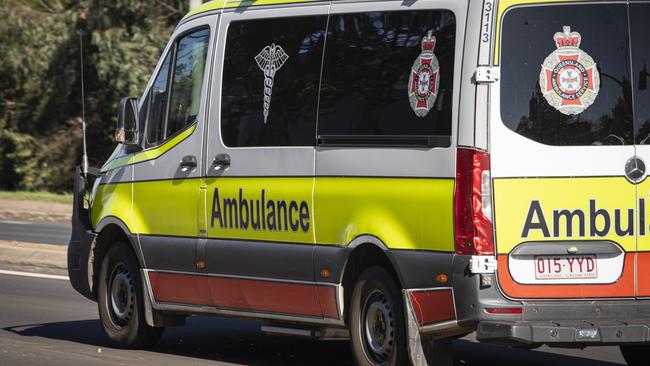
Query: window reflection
(288, 116)
(368, 62)
(528, 39)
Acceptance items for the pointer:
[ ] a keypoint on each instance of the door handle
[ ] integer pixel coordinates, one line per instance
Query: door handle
(189, 161)
(221, 161)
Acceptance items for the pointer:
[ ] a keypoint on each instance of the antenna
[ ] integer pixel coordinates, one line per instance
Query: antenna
(84, 158)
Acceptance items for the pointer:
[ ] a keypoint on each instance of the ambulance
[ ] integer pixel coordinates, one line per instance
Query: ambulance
(399, 173)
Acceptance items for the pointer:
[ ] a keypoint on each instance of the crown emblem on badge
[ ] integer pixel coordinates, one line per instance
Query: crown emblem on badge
(428, 43)
(569, 78)
(424, 79)
(567, 38)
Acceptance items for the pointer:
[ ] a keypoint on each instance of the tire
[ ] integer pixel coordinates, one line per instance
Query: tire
(120, 300)
(377, 321)
(635, 355)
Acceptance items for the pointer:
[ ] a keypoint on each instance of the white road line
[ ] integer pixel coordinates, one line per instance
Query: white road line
(37, 275)
(15, 222)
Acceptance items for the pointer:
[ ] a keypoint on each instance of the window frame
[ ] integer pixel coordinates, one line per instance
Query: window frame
(171, 50)
(413, 161)
(262, 161)
(401, 141)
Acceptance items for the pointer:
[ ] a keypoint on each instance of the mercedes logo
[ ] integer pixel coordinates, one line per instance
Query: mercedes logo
(635, 169)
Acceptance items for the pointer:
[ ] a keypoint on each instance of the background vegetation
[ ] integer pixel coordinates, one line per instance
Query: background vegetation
(40, 94)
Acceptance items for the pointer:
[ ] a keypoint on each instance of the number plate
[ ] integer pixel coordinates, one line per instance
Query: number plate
(558, 267)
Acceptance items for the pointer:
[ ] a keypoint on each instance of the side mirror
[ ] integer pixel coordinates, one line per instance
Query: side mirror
(127, 122)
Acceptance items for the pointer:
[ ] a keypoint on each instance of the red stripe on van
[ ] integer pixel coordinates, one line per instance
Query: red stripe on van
(433, 306)
(328, 303)
(624, 287)
(244, 294)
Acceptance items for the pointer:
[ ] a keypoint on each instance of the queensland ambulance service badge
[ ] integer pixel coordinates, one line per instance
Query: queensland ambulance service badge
(569, 79)
(425, 78)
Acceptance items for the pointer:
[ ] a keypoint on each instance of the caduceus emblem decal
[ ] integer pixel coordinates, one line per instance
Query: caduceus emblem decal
(270, 60)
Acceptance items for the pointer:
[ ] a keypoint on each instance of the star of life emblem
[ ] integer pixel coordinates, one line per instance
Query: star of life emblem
(270, 60)
(569, 79)
(425, 78)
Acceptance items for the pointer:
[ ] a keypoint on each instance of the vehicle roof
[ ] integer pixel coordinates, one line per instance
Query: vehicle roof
(227, 4)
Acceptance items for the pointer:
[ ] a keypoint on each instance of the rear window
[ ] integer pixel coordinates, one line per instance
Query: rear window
(640, 29)
(566, 74)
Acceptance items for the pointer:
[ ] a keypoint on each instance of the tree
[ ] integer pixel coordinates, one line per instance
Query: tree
(40, 100)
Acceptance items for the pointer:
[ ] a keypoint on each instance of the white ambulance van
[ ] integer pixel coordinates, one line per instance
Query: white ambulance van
(395, 172)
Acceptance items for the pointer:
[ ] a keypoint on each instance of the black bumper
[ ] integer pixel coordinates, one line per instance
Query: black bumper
(81, 242)
(565, 333)
(573, 323)
(565, 323)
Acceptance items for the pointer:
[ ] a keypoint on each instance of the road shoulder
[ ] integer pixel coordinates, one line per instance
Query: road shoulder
(29, 257)
(25, 210)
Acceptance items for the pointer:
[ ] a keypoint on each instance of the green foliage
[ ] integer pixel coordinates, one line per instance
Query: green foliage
(40, 95)
(36, 196)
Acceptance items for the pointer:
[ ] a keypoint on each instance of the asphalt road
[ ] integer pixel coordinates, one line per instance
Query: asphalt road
(44, 322)
(35, 232)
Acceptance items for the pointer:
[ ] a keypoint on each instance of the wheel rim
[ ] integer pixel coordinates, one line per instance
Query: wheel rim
(378, 328)
(121, 295)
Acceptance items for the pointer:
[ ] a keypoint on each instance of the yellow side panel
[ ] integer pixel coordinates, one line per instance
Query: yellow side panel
(113, 200)
(266, 209)
(168, 207)
(403, 213)
(545, 203)
(643, 194)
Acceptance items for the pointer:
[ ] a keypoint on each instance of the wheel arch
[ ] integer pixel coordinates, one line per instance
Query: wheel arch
(363, 252)
(110, 230)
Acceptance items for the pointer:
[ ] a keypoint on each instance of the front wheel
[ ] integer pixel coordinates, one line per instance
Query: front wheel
(120, 300)
(377, 322)
(635, 355)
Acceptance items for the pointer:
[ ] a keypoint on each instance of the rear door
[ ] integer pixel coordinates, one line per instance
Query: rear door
(639, 30)
(561, 135)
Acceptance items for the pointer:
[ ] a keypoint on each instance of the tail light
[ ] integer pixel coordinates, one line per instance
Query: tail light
(473, 203)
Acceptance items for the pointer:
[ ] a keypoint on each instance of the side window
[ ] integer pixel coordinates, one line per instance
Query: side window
(164, 115)
(157, 106)
(388, 78)
(270, 81)
(188, 80)
(565, 74)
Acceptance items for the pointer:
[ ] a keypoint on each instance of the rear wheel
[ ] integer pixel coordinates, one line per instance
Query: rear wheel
(377, 321)
(120, 300)
(635, 355)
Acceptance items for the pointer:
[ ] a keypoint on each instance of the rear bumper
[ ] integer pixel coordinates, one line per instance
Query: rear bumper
(566, 323)
(573, 323)
(566, 333)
